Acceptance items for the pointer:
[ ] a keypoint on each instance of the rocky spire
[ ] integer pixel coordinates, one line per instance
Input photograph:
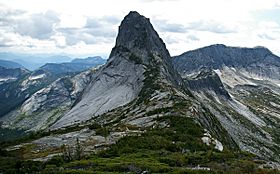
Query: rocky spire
(139, 64)
(138, 39)
(137, 35)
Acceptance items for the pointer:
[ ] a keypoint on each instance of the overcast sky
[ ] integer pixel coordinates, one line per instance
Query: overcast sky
(89, 27)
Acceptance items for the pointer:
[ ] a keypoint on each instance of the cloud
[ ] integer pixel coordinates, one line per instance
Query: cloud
(89, 36)
(4, 40)
(93, 22)
(100, 27)
(211, 26)
(39, 26)
(192, 38)
(8, 39)
(268, 14)
(166, 26)
(265, 36)
(17, 28)
(171, 40)
(8, 15)
(91, 27)
(96, 30)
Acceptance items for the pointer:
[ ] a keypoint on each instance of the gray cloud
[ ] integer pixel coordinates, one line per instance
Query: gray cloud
(39, 26)
(170, 40)
(265, 36)
(165, 26)
(96, 30)
(7, 15)
(193, 38)
(211, 26)
(6, 41)
(44, 26)
(100, 22)
(87, 35)
(93, 23)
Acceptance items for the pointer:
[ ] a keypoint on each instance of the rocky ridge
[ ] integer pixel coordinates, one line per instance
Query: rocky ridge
(241, 72)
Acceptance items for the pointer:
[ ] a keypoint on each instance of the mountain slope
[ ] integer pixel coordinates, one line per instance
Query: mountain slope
(9, 88)
(48, 104)
(249, 76)
(17, 85)
(10, 74)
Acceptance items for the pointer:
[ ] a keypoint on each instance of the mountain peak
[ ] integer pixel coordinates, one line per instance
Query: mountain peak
(134, 30)
(137, 35)
(137, 40)
(133, 14)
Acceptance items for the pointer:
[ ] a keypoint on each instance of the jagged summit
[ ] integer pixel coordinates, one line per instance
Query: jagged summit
(137, 35)
(136, 32)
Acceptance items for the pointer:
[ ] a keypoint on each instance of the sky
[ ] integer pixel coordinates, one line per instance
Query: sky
(89, 27)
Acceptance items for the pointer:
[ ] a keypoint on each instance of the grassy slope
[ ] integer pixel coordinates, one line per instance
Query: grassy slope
(172, 149)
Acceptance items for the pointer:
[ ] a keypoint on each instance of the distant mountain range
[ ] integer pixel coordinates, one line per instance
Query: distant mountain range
(32, 61)
(76, 65)
(10, 64)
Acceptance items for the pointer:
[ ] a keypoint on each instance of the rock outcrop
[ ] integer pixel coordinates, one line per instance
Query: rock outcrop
(206, 80)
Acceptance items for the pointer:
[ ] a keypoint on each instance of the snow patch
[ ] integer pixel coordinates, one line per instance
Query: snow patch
(232, 78)
(7, 78)
(37, 77)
